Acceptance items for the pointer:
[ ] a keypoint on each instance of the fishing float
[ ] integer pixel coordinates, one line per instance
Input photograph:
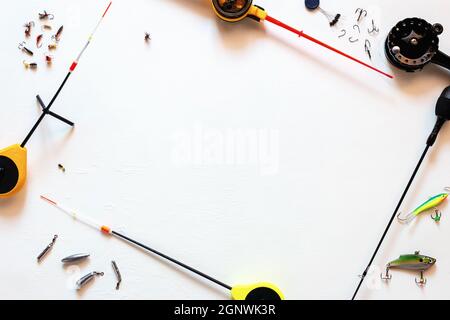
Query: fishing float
(13, 159)
(255, 291)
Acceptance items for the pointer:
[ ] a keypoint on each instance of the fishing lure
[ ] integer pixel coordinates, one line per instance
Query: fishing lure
(415, 262)
(57, 35)
(76, 258)
(431, 203)
(88, 278)
(47, 249)
(30, 65)
(46, 27)
(39, 40)
(28, 26)
(46, 16)
(25, 49)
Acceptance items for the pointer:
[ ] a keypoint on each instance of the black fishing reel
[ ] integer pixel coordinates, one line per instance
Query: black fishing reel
(413, 43)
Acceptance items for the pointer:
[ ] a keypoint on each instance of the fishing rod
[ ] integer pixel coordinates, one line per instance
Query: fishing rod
(237, 10)
(256, 291)
(13, 159)
(443, 115)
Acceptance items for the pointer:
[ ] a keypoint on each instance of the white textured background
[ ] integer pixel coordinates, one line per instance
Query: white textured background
(345, 141)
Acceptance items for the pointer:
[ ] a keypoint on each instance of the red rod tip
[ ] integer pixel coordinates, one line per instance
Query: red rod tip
(109, 5)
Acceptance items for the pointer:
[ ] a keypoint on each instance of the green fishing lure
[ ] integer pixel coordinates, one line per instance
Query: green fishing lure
(431, 203)
(415, 262)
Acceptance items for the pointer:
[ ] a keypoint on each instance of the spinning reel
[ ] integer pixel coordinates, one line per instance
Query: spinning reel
(414, 43)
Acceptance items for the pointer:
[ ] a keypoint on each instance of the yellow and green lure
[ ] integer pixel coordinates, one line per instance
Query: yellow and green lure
(431, 203)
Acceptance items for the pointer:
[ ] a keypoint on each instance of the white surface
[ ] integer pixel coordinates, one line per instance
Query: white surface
(338, 144)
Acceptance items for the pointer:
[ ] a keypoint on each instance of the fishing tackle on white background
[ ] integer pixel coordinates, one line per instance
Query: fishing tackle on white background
(343, 33)
(356, 27)
(88, 278)
(78, 257)
(30, 65)
(255, 291)
(361, 13)
(437, 216)
(117, 273)
(431, 203)
(367, 47)
(39, 39)
(333, 19)
(414, 262)
(47, 249)
(57, 36)
(443, 115)
(25, 49)
(147, 37)
(413, 43)
(374, 29)
(46, 27)
(49, 60)
(28, 26)
(46, 16)
(52, 46)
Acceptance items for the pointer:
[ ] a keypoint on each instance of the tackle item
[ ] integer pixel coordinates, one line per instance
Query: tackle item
(25, 49)
(415, 262)
(147, 37)
(52, 46)
(61, 167)
(361, 13)
(258, 291)
(47, 249)
(57, 36)
(75, 258)
(46, 27)
(443, 115)
(39, 39)
(314, 4)
(28, 26)
(48, 59)
(413, 43)
(437, 216)
(30, 65)
(431, 203)
(236, 10)
(46, 16)
(13, 159)
(374, 29)
(88, 278)
(117, 273)
(367, 47)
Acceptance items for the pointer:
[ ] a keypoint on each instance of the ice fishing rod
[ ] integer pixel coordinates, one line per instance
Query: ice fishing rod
(237, 10)
(256, 291)
(13, 159)
(443, 115)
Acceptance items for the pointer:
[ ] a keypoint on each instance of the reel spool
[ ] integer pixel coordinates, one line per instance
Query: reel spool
(257, 292)
(413, 43)
(237, 10)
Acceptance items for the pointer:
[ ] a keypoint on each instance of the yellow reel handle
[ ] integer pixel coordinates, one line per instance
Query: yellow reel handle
(13, 173)
(257, 291)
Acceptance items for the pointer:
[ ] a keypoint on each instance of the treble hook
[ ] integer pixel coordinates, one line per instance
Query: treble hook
(361, 12)
(438, 215)
(375, 29)
(387, 276)
(422, 281)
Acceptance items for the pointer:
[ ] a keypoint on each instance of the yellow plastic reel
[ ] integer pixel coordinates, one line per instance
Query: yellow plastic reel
(257, 291)
(13, 170)
(248, 10)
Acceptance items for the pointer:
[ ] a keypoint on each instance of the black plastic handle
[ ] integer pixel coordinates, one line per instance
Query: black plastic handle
(441, 59)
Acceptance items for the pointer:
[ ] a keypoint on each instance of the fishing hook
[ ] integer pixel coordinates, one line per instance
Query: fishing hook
(437, 216)
(387, 276)
(353, 40)
(361, 13)
(375, 29)
(422, 281)
(357, 27)
(343, 33)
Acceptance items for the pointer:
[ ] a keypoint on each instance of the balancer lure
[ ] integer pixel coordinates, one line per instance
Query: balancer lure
(431, 203)
(415, 262)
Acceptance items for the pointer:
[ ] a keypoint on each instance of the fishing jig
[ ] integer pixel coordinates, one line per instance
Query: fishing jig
(88, 278)
(413, 43)
(333, 19)
(39, 40)
(25, 49)
(57, 36)
(431, 203)
(361, 14)
(30, 65)
(13, 159)
(46, 16)
(28, 26)
(257, 291)
(117, 273)
(47, 249)
(75, 258)
(237, 10)
(443, 115)
(415, 262)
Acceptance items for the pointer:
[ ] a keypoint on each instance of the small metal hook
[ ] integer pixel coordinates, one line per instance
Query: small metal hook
(343, 33)
(387, 276)
(22, 45)
(357, 27)
(353, 40)
(367, 47)
(437, 216)
(361, 13)
(375, 29)
(422, 281)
